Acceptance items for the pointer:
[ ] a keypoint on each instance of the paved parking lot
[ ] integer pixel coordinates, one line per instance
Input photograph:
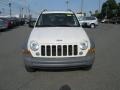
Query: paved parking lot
(105, 74)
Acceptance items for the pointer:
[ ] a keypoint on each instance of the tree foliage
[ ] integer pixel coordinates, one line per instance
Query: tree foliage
(109, 9)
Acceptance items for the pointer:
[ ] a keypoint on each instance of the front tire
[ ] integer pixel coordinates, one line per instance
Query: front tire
(29, 69)
(92, 25)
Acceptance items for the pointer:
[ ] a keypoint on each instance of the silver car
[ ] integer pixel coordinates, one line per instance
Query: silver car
(91, 21)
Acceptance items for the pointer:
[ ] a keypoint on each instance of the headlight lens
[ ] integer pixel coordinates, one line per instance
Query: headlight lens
(84, 45)
(34, 46)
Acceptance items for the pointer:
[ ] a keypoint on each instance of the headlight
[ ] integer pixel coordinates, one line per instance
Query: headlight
(84, 45)
(34, 46)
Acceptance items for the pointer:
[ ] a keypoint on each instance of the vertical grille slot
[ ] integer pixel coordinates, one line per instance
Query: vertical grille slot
(70, 50)
(75, 50)
(48, 50)
(59, 50)
(53, 50)
(64, 50)
(42, 50)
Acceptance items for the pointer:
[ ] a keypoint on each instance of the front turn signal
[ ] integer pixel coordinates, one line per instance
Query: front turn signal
(26, 52)
(91, 51)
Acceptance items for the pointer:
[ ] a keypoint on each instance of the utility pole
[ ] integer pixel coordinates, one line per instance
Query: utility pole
(99, 3)
(82, 6)
(29, 11)
(10, 8)
(106, 10)
(67, 3)
(21, 12)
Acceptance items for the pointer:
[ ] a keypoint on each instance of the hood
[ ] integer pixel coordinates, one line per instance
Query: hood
(58, 34)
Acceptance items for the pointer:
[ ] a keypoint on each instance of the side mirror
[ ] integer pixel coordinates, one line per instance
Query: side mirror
(31, 24)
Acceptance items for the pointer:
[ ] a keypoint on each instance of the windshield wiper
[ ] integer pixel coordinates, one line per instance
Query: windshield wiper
(55, 26)
(64, 25)
(67, 25)
(45, 26)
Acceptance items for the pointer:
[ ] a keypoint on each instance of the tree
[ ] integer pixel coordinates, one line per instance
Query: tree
(108, 9)
(118, 11)
(90, 13)
(97, 14)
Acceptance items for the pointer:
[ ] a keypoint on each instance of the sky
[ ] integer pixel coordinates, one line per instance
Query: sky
(37, 5)
(75, 5)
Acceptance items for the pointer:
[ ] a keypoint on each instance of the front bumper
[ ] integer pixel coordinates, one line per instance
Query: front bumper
(65, 62)
(59, 62)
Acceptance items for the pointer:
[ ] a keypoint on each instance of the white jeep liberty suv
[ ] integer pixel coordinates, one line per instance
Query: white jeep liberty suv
(58, 41)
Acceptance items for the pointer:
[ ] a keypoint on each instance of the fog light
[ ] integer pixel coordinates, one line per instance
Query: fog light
(37, 53)
(80, 53)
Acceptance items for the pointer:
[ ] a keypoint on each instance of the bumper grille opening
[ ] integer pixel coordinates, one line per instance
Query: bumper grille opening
(48, 50)
(75, 50)
(53, 50)
(64, 50)
(59, 50)
(42, 50)
(70, 50)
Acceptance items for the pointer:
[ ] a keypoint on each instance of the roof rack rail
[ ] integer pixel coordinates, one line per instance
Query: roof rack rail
(71, 11)
(43, 10)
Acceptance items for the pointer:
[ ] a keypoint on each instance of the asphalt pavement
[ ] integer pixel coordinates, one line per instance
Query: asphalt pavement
(105, 74)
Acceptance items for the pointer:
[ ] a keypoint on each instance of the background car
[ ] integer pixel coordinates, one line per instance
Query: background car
(105, 20)
(2, 25)
(13, 21)
(91, 21)
(32, 22)
(8, 22)
(115, 20)
(21, 21)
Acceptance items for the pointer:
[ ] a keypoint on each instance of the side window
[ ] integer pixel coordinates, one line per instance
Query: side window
(92, 18)
(88, 18)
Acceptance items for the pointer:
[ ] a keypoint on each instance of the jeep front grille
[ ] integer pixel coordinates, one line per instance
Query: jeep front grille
(59, 50)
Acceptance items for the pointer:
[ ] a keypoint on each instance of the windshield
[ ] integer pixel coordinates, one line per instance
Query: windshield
(57, 20)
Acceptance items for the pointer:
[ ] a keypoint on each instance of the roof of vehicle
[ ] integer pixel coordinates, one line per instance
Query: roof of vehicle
(48, 12)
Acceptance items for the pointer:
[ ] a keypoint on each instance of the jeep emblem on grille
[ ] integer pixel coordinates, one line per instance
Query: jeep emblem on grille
(59, 40)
